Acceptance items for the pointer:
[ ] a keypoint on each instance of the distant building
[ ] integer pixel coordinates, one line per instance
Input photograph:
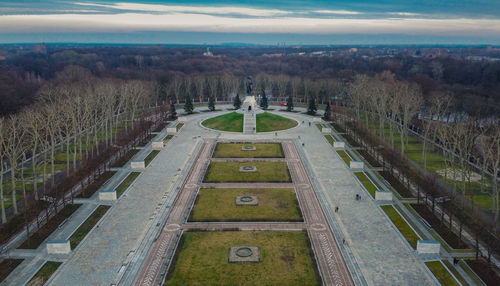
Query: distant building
(208, 53)
(40, 49)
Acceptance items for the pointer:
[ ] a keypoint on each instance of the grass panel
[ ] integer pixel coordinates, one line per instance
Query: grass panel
(219, 205)
(285, 259)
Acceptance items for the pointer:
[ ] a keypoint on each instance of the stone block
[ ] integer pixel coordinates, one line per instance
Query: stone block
(357, 165)
(428, 247)
(248, 169)
(244, 254)
(247, 201)
(317, 119)
(107, 195)
(383, 195)
(248, 148)
(326, 130)
(339, 144)
(171, 129)
(137, 165)
(58, 247)
(182, 119)
(157, 145)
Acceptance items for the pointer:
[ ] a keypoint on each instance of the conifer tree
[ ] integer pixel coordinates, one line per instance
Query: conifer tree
(326, 116)
(188, 105)
(211, 103)
(237, 102)
(311, 109)
(263, 102)
(289, 103)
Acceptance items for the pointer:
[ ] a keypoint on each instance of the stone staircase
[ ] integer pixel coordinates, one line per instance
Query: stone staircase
(249, 122)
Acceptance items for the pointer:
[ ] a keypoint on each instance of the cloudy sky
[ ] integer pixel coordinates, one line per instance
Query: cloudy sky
(255, 22)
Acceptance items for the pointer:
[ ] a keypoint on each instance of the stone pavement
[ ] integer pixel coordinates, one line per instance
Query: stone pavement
(108, 255)
(249, 122)
(330, 262)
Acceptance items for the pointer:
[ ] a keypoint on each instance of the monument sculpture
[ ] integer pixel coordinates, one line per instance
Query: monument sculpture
(249, 104)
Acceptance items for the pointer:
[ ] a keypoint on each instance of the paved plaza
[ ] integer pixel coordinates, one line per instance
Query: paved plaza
(356, 245)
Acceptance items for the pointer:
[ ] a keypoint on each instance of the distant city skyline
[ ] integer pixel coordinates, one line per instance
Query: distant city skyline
(253, 22)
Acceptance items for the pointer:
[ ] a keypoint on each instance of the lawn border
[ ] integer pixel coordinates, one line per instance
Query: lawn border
(399, 231)
(445, 267)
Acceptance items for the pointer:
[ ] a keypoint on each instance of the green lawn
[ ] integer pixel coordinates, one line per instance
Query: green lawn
(330, 139)
(285, 259)
(441, 273)
(82, 231)
(319, 126)
(232, 122)
(276, 172)
(168, 137)
(150, 157)
(344, 156)
(370, 187)
(126, 183)
(267, 122)
(401, 224)
(485, 202)
(44, 273)
(179, 126)
(219, 205)
(233, 150)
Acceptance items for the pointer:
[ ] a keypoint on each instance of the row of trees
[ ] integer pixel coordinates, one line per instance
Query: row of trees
(68, 124)
(467, 143)
(224, 88)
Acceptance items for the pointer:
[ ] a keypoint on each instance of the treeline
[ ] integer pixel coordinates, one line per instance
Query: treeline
(429, 189)
(21, 74)
(75, 126)
(468, 142)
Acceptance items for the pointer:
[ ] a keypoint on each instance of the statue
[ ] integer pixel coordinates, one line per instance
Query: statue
(249, 85)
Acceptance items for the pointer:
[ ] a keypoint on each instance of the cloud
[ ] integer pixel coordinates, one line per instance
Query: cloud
(227, 10)
(337, 12)
(190, 22)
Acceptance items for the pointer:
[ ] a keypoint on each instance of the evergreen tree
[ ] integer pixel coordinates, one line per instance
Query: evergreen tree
(237, 102)
(326, 116)
(211, 103)
(173, 112)
(289, 103)
(263, 102)
(311, 109)
(188, 106)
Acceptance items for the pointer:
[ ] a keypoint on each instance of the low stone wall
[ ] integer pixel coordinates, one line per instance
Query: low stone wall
(339, 144)
(58, 247)
(137, 165)
(325, 130)
(383, 195)
(172, 130)
(182, 119)
(357, 165)
(107, 195)
(157, 145)
(428, 247)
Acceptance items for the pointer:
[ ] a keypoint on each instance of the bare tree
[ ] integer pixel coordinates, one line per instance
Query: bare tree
(35, 126)
(2, 138)
(437, 109)
(13, 148)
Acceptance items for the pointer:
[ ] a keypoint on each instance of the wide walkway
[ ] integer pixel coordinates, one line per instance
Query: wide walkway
(113, 253)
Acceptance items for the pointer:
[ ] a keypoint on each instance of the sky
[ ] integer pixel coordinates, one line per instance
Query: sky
(254, 22)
